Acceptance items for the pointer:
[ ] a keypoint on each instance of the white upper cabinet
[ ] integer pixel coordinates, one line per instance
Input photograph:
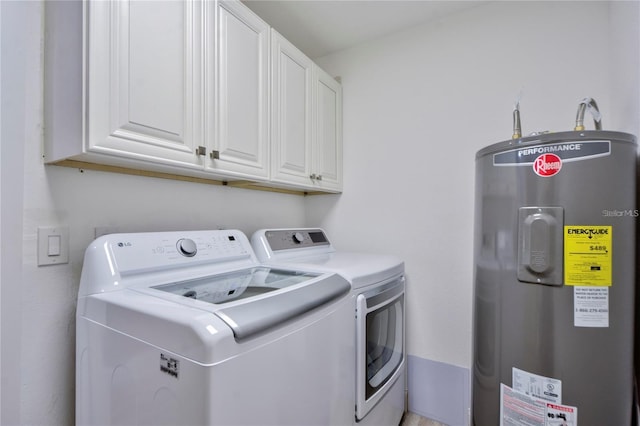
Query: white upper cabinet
(187, 87)
(327, 146)
(143, 83)
(239, 137)
(291, 94)
(307, 121)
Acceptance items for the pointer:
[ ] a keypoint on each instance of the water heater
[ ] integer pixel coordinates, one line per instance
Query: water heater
(554, 278)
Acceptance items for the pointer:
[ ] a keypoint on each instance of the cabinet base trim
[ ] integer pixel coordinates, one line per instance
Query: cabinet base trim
(148, 173)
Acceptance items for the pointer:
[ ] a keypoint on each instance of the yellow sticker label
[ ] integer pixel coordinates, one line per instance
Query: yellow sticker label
(587, 255)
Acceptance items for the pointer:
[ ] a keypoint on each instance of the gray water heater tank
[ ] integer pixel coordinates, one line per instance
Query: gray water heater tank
(554, 292)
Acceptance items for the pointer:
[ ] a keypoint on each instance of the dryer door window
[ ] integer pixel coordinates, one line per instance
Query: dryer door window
(384, 345)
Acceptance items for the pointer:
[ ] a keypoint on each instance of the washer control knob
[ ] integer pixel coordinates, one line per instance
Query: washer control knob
(298, 237)
(187, 247)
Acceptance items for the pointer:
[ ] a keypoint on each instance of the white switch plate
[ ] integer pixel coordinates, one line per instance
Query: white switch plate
(52, 240)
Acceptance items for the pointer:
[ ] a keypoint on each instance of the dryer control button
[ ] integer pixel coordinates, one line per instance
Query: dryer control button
(187, 247)
(298, 237)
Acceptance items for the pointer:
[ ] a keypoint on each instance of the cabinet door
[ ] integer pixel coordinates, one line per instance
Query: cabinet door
(291, 113)
(239, 138)
(327, 153)
(142, 83)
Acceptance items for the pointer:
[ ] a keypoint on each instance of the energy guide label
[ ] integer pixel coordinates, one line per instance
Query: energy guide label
(587, 255)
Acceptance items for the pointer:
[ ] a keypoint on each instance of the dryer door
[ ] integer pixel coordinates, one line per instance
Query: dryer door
(380, 342)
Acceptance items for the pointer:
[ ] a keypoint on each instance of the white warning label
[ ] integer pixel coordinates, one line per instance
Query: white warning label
(169, 365)
(591, 306)
(561, 415)
(519, 409)
(537, 386)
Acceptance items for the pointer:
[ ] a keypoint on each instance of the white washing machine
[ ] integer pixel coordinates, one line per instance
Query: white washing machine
(188, 328)
(377, 283)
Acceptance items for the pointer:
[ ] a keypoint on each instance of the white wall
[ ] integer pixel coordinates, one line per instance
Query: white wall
(15, 64)
(417, 107)
(38, 303)
(624, 55)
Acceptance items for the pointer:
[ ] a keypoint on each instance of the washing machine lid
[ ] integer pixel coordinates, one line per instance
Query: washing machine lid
(255, 299)
(237, 285)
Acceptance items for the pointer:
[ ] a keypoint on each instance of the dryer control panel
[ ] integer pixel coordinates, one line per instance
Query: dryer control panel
(287, 239)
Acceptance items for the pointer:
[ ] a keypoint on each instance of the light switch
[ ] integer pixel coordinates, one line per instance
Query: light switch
(53, 245)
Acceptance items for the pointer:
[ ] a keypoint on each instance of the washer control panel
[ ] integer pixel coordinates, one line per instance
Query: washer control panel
(287, 239)
(135, 252)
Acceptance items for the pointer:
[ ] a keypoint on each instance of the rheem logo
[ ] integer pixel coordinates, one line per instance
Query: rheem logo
(547, 165)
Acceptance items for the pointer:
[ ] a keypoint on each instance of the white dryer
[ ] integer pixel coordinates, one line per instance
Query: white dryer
(188, 328)
(378, 300)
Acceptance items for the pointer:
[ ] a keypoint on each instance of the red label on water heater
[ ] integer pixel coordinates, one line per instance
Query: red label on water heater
(547, 165)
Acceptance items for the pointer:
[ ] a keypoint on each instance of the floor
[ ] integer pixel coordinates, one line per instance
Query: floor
(411, 419)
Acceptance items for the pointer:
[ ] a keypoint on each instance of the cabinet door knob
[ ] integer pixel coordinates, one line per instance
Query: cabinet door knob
(201, 150)
(214, 155)
(319, 177)
(313, 176)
